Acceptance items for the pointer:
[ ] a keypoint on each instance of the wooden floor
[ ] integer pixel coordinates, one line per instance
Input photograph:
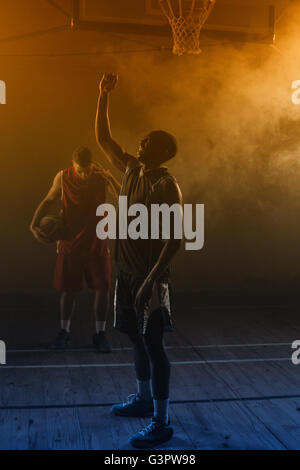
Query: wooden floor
(233, 384)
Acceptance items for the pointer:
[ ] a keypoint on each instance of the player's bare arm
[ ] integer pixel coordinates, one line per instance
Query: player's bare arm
(112, 150)
(53, 195)
(170, 248)
(113, 185)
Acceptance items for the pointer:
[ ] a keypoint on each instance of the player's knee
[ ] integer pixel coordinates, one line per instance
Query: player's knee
(153, 344)
(155, 328)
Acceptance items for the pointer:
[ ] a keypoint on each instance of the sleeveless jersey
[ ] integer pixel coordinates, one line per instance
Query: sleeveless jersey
(80, 200)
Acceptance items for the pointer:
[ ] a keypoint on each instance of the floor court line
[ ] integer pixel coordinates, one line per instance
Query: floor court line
(197, 346)
(172, 402)
(130, 364)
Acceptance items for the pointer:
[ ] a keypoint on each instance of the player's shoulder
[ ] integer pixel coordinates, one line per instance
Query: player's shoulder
(66, 172)
(132, 162)
(58, 178)
(166, 181)
(133, 168)
(167, 188)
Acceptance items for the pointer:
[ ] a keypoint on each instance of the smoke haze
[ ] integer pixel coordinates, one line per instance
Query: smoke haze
(238, 133)
(239, 144)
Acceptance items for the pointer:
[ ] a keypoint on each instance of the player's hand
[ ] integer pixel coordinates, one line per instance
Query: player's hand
(108, 82)
(144, 295)
(39, 235)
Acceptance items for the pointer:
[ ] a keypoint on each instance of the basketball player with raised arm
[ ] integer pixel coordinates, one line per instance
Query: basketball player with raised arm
(81, 188)
(142, 297)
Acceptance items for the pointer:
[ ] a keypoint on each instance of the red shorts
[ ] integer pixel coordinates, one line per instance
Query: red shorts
(72, 268)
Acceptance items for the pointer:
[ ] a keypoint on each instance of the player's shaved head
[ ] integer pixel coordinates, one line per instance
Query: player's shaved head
(82, 156)
(157, 147)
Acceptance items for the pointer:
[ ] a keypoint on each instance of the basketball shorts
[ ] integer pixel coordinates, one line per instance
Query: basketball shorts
(72, 269)
(126, 319)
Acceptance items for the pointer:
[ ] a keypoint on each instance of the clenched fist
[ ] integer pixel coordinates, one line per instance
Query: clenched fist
(108, 82)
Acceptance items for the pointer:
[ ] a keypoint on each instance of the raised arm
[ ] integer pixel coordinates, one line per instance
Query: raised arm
(111, 149)
(53, 195)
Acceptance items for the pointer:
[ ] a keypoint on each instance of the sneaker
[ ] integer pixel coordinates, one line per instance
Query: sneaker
(101, 343)
(62, 340)
(154, 434)
(134, 407)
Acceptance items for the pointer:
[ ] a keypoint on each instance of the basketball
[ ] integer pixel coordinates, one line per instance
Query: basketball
(52, 227)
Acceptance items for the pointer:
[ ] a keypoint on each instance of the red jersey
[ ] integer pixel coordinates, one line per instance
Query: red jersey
(80, 199)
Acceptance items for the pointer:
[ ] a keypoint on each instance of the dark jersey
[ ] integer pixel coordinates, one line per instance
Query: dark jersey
(144, 187)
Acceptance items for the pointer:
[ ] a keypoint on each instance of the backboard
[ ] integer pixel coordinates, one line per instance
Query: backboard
(241, 20)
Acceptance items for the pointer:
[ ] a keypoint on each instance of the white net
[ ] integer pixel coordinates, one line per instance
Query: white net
(186, 18)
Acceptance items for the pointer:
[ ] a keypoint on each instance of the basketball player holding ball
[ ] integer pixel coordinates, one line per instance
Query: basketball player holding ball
(81, 189)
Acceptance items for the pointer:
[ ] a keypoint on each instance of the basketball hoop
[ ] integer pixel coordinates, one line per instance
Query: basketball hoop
(186, 18)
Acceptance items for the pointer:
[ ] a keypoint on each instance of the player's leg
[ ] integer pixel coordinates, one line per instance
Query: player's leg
(141, 403)
(142, 367)
(68, 280)
(160, 366)
(97, 274)
(67, 308)
(159, 430)
(101, 308)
